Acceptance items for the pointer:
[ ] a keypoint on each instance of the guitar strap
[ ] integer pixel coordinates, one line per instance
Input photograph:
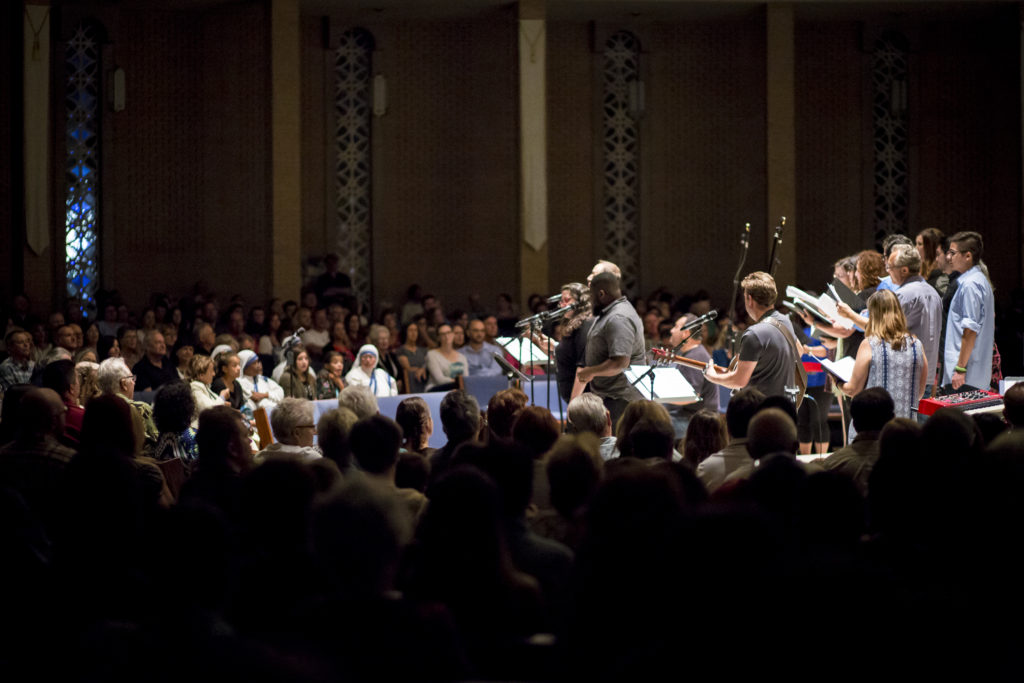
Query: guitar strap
(800, 374)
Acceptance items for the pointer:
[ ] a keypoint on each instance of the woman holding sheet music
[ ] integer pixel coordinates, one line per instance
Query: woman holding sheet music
(891, 357)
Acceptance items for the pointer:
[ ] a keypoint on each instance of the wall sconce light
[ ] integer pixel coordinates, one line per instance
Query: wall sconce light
(898, 97)
(636, 100)
(117, 93)
(380, 95)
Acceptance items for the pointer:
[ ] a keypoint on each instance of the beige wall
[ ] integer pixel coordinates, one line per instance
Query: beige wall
(706, 154)
(187, 162)
(445, 174)
(7, 177)
(571, 159)
(316, 87)
(830, 135)
(186, 190)
(968, 113)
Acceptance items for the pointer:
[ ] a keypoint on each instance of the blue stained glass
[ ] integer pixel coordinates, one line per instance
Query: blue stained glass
(82, 165)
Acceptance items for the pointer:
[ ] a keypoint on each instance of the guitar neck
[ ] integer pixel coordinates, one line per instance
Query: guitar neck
(689, 362)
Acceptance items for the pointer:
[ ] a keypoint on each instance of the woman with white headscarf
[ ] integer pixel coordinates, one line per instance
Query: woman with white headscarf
(365, 373)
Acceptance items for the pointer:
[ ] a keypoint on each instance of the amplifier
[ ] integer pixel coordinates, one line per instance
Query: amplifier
(973, 401)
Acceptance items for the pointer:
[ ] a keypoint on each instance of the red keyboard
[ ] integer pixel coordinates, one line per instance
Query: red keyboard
(974, 401)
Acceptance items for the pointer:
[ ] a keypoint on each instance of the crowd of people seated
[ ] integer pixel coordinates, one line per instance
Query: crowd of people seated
(147, 536)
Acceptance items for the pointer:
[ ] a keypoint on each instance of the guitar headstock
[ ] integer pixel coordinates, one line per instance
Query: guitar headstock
(778, 230)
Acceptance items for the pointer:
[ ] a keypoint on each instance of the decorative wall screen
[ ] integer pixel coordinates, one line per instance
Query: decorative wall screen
(889, 112)
(353, 111)
(82, 171)
(621, 149)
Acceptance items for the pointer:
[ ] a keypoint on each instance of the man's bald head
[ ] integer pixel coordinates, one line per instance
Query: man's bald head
(41, 413)
(604, 267)
(771, 431)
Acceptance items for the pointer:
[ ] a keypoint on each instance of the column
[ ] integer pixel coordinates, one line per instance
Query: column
(286, 145)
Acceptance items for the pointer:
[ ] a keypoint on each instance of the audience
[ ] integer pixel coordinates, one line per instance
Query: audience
(587, 414)
(713, 470)
(360, 400)
(871, 409)
(291, 566)
(375, 442)
(294, 429)
(413, 416)
(460, 420)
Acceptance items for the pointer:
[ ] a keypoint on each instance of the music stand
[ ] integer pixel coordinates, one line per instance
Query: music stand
(669, 385)
(510, 370)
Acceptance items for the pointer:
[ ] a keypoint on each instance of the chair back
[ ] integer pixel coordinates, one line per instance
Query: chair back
(174, 474)
(263, 427)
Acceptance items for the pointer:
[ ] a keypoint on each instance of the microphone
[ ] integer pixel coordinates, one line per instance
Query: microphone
(294, 339)
(702, 320)
(531, 321)
(559, 312)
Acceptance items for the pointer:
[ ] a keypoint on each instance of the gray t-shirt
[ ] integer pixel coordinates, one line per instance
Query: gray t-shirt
(767, 345)
(617, 331)
(707, 391)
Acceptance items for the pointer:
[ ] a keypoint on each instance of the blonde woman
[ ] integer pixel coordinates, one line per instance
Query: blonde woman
(200, 374)
(890, 356)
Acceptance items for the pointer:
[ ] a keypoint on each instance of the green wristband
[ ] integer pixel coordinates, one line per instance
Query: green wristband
(960, 369)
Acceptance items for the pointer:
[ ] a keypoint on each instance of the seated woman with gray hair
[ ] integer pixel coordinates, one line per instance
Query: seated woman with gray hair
(294, 426)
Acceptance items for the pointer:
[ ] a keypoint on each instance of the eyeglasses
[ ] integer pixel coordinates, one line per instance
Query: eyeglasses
(313, 427)
(950, 252)
(133, 378)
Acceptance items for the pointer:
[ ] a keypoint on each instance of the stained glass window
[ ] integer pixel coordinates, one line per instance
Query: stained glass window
(82, 183)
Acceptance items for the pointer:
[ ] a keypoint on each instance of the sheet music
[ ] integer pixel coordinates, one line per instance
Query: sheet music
(823, 307)
(669, 384)
(520, 349)
(843, 368)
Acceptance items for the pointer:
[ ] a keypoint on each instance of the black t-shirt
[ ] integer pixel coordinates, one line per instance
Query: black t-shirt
(569, 355)
(150, 377)
(235, 398)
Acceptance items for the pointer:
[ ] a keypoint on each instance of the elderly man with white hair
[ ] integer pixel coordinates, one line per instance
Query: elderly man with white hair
(586, 413)
(294, 425)
(114, 377)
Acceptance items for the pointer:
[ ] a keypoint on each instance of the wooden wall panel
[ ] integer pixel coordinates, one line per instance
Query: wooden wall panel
(190, 154)
(446, 160)
(968, 114)
(235, 200)
(571, 170)
(156, 148)
(830, 127)
(10, 92)
(705, 154)
(317, 226)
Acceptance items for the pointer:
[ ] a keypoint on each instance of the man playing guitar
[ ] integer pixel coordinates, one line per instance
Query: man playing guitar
(766, 359)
